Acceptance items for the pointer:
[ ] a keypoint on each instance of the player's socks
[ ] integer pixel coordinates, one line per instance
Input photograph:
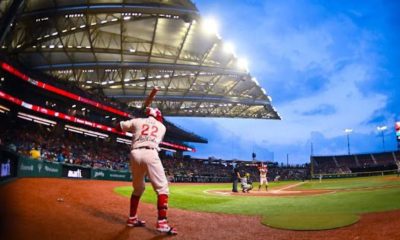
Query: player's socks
(162, 206)
(134, 205)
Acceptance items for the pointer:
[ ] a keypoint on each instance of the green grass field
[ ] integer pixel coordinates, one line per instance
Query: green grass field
(350, 198)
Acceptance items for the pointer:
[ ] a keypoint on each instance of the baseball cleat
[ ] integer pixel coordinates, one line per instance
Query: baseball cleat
(163, 227)
(135, 222)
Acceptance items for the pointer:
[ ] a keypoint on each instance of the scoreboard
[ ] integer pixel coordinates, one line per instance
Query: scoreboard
(398, 131)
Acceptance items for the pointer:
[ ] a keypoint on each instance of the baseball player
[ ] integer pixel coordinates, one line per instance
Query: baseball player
(147, 135)
(245, 183)
(263, 169)
(235, 177)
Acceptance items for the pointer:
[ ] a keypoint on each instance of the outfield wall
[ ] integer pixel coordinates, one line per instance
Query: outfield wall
(13, 165)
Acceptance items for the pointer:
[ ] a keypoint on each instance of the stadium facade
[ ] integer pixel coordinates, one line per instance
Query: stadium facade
(124, 48)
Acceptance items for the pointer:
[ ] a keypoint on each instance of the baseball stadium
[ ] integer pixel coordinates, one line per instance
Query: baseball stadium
(88, 95)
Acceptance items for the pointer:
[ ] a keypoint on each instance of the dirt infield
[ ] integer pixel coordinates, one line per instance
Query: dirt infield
(87, 209)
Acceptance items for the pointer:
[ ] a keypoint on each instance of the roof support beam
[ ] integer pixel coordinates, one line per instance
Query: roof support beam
(180, 52)
(153, 38)
(141, 65)
(217, 99)
(115, 8)
(9, 18)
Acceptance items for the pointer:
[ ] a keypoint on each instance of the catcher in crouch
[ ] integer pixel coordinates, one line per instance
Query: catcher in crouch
(246, 183)
(263, 176)
(147, 134)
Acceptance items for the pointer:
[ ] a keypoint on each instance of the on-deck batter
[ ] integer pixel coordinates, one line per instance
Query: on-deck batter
(147, 135)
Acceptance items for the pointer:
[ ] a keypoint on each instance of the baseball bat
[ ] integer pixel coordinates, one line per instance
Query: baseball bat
(150, 98)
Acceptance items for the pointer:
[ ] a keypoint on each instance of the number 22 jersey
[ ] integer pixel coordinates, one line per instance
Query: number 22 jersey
(147, 132)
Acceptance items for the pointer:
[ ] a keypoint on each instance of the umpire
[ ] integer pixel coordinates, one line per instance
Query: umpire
(235, 177)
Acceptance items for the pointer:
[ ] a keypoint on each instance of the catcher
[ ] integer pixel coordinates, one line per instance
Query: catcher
(246, 183)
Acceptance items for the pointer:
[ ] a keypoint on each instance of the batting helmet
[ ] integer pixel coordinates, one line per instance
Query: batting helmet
(154, 112)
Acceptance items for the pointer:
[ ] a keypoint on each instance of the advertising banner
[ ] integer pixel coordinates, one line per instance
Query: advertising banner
(75, 171)
(106, 174)
(35, 168)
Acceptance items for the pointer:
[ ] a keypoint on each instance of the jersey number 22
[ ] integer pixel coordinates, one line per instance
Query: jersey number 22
(146, 129)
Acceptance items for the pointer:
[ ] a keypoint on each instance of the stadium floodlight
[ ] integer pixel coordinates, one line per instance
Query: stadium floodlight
(229, 47)
(210, 25)
(348, 131)
(382, 129)
(255, 81)
(242, 63)
(263, 90)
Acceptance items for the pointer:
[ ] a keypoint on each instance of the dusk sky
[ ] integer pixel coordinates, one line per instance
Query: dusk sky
(328, 65)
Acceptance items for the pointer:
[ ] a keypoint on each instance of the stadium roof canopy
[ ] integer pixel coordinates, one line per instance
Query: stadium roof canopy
(124, 48)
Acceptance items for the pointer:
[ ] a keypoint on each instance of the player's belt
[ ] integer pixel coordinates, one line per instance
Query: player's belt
(145, 148)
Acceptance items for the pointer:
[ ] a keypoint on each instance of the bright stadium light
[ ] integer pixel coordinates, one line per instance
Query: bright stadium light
(382, 129)
(242, 63)
(210, 25)
(255, 81)
(348, 131)
(229, 47)
(263, 90)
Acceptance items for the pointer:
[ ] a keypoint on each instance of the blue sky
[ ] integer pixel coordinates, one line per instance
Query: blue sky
(328, 65)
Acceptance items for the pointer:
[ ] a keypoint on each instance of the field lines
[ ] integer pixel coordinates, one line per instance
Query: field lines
(288, 187)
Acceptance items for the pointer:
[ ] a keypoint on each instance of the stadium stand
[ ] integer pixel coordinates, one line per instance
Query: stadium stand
(345, 164)
(55, 144)
(63, 146)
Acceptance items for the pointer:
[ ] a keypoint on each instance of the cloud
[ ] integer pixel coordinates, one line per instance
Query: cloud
(320, 65)
(323, 109)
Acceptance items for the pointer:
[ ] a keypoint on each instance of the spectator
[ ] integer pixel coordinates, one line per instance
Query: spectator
(35, 153)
